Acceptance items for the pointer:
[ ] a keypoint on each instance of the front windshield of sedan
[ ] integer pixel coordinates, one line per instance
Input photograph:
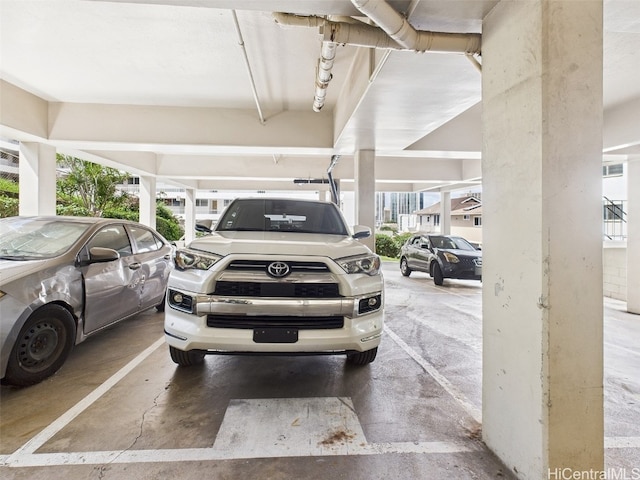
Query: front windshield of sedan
(282, 215)
(29, 239)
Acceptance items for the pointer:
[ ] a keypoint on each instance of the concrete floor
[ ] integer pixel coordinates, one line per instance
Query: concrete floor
(121, 409)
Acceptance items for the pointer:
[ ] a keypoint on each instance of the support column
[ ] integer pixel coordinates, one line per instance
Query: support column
(189, 215)
(37, 170)
(445, 213)
(148, 201)
(365, 193)
(633, 235)
(542, 238)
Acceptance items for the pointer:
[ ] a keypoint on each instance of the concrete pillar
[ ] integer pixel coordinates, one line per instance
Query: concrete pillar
(37, 170)
(189, 215)
(148, 201)
(633, 235)
(365, 193)
(445, 213)
(542, 236)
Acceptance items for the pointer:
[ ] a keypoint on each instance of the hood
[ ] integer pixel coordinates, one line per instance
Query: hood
(277, 243)
(11, 270)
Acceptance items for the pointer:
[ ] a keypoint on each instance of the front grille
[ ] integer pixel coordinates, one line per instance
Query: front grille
(261, 266)
(277, 289)
(249, 322)
(469, 261)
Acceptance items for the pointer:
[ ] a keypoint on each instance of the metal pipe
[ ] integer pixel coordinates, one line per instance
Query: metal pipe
(248, 65)
(334, 188)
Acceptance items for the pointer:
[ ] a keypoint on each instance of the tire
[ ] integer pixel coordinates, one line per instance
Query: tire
(436, 273)
(362, 358)
(404, 267)
(42, 347)
(186, 359)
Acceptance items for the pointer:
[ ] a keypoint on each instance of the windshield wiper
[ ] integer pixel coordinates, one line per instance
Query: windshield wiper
(19, 257)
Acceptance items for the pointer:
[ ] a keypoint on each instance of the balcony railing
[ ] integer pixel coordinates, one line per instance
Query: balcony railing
(614, 216)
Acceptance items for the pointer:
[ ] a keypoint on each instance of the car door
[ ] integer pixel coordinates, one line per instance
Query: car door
(111, 288)
(422, 254)
(413, 253)
(154, 257)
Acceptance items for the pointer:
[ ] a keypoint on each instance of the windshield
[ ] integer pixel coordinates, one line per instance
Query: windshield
(282, 215)
(30, 239)
(452, 243)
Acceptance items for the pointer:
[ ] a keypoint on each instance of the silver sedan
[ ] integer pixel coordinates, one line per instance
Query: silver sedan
(65, 278)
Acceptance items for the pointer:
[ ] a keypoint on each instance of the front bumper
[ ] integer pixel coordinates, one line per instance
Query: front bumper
(462, 272)
(359, 331)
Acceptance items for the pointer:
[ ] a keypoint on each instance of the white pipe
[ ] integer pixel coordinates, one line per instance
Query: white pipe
(323, 74)
(474, 61)
(398, 28)
(395, 33)
(246, 61)
(291, 19)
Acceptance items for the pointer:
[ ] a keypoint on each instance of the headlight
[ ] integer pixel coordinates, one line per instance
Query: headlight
(186, 259)
(450, 257)
(368, 264)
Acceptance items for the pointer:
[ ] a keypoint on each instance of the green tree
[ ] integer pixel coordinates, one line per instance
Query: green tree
(87, 188)
(90, 190)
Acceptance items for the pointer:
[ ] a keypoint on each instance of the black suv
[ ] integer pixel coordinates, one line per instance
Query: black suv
(441, 256)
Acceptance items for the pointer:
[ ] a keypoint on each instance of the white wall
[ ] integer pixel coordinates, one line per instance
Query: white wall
(615, 270)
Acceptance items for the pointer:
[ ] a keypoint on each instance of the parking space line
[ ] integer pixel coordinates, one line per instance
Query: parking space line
(451, 389)
(211, 454)
(622, 442)
(48, 432)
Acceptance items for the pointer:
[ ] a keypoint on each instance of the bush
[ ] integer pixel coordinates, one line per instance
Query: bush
(72, 210)
(390, 245)
(8, 207)
(402, 238)
(169, 230)
(386, 246)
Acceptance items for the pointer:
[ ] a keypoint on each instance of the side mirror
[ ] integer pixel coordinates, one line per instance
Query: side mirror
(100, 255)
(360, 231)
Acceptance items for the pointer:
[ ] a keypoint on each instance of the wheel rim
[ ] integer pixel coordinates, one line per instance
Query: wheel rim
(40, 345)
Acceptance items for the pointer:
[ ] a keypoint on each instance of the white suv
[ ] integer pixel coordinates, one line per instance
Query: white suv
(276, 276)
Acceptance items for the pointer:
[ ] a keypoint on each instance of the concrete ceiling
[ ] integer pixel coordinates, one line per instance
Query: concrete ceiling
(161, 88)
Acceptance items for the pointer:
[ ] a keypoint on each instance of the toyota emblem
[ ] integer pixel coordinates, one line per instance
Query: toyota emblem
(278, 269)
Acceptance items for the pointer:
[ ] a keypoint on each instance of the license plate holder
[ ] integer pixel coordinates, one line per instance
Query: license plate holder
(275, 335)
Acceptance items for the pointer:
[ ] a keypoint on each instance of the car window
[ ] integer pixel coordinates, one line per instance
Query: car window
(114, 237)
(282, 215)
(26, 239)
(461, 244)
(145, 240)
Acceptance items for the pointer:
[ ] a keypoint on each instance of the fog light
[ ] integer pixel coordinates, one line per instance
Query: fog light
(370, 304)
(179, 301)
